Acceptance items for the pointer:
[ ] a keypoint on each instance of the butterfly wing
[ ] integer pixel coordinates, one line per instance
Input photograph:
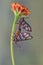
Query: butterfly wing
(24, 25)
(23, 36)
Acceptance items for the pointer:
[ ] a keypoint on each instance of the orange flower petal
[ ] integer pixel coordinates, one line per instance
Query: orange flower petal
(20, 8)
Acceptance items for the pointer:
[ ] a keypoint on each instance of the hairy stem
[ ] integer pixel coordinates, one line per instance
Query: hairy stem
(12, 37)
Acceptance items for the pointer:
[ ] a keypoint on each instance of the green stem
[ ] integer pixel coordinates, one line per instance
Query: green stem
(12, 37)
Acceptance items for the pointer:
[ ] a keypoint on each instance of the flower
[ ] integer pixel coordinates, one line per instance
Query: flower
(18, 8)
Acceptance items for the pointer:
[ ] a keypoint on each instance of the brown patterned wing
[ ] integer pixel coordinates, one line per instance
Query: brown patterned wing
(23, 36)
(24, 25)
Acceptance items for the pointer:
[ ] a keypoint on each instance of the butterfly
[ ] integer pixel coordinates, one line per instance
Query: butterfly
(22, 36)
(24, 25)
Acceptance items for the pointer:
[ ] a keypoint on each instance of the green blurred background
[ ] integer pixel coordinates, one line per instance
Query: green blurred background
(31, 52)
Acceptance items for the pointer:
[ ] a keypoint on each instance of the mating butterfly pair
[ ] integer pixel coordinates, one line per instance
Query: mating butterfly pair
(21, 36)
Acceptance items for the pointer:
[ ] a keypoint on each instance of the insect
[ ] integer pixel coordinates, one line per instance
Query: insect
(21, 36)
(22, 23)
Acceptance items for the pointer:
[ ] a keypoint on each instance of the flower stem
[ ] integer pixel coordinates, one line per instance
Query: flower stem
(12, 37)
